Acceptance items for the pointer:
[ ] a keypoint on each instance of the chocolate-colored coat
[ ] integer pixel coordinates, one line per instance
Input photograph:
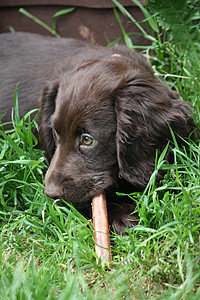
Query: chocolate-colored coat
(103, 116)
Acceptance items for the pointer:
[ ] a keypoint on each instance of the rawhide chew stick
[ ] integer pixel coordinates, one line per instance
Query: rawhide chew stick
(101, 229)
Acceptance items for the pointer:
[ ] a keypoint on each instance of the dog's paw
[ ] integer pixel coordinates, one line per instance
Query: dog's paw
(121, 216)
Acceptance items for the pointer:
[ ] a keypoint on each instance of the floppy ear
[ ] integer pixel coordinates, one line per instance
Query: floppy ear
(47, 109)
(145, 110)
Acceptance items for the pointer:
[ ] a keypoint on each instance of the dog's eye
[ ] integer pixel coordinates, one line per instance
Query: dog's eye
(87, 140)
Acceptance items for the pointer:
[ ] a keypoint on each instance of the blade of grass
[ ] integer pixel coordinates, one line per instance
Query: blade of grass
(12, 143)
(60, 13)
(149, 18)
(17, 119)
(126, 37)
(38, 21)
(126, 13)
(31, 163)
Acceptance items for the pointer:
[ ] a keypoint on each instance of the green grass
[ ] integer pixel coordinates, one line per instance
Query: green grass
(47, 247)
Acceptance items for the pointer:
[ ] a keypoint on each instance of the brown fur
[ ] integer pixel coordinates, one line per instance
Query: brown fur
(87, 92)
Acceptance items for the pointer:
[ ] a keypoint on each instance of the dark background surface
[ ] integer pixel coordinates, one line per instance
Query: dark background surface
(93, 20)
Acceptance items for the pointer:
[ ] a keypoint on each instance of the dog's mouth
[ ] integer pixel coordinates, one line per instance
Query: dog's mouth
(81, 196)
(79, 192)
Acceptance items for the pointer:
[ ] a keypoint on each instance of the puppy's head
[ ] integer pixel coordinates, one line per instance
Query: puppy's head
(105, 121)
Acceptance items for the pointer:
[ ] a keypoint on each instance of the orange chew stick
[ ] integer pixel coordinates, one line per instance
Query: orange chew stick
(101, 229)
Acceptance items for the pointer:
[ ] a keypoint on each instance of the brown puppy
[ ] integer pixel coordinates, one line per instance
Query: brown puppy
(103, 116)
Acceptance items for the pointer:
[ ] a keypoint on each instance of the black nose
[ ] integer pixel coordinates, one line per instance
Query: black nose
(53, 191)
